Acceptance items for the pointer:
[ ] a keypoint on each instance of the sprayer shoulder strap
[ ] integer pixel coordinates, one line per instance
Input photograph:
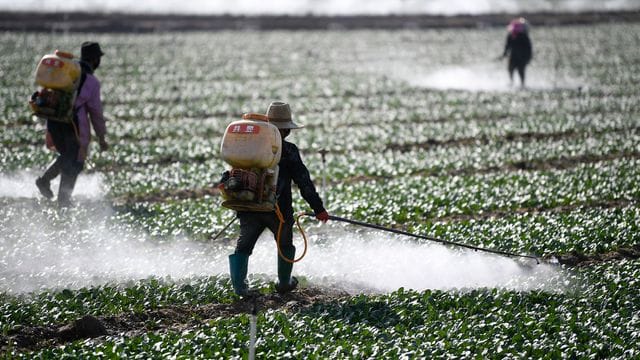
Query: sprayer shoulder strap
(83, 77)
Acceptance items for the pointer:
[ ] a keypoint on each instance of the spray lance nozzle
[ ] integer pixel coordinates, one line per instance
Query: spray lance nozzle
(323, 154)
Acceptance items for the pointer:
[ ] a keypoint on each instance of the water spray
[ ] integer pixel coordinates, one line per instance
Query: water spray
(430, 238)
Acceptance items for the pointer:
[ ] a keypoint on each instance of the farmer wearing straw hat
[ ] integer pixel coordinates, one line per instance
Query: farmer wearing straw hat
(72, 140)
(518, 48)
(252, 224)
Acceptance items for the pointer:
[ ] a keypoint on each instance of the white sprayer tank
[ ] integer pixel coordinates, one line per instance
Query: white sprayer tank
(252, 142)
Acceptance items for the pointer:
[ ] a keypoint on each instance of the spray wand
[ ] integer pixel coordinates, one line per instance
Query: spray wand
(430, 238)
(224, 229)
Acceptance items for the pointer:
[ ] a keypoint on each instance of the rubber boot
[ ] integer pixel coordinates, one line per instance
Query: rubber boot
(44, 187)
(238, 264)
(67, 183)
(286, 282)
(64, 193)
(44, 183)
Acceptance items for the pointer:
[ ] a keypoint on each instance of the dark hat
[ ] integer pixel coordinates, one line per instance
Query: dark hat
(279, 114)
(90, 50)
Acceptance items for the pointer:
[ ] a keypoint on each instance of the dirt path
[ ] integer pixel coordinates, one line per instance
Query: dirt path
(168, 318)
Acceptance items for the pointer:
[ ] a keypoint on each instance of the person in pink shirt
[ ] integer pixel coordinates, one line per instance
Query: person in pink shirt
(518, 48)
(72, 140)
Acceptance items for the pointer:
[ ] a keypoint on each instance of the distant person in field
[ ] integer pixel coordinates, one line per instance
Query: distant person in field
(518, 48)
(252, 224)
(71, 141)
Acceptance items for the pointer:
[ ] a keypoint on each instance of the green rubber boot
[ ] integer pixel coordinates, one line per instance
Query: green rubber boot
(238, 264)
(286, 282)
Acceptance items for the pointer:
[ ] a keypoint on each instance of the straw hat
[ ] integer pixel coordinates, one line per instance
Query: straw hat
(279, 114)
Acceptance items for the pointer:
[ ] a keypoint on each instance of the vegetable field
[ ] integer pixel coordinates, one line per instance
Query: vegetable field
(423, 132)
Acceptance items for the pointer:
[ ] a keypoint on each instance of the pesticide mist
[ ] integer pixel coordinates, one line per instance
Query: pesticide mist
(374, 262)
(41, 248)
(484, 77)
(21, 185)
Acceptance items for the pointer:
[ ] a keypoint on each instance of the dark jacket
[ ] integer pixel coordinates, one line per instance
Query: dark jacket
(291, 168)
(518, 48)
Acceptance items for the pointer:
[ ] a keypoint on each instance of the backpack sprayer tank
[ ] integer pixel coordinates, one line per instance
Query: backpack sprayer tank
(252, 146)
(58, 75)
(58, 71)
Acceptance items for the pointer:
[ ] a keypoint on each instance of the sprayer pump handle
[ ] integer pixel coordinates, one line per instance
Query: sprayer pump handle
(255, 116)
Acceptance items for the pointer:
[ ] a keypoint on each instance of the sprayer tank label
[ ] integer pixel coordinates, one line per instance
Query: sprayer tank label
(244, 129)
(53, 63)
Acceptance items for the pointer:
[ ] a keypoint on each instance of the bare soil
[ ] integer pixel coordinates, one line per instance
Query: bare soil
(168, 318)
(578, 259)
